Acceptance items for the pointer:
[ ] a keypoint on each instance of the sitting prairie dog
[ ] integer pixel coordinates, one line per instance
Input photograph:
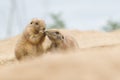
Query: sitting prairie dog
(59, 41)
(30, 43)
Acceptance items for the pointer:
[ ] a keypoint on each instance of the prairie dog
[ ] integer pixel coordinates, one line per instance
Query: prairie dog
(30, 43)
(59, 41)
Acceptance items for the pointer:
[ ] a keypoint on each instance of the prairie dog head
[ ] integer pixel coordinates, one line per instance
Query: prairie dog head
(55, 36)
(37, 24)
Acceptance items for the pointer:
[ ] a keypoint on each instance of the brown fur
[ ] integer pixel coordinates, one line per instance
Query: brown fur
(31, 40)
(59, 41)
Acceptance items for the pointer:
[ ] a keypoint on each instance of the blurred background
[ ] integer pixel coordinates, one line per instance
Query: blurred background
(101, 15)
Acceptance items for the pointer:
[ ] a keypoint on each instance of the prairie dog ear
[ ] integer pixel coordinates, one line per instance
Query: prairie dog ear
(62, 37)
(44, 28)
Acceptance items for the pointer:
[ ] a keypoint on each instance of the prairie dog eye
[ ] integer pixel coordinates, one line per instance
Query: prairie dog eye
(57, 32)
(36, 23)
(31, 22)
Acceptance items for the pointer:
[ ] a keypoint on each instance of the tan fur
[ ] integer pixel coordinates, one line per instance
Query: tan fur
(31, 40)
(59, 41)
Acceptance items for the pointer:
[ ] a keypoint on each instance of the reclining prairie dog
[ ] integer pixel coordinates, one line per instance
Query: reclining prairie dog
(31, 40)
(59, 41)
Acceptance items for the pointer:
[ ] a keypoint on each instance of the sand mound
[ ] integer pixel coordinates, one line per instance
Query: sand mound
(79, 65)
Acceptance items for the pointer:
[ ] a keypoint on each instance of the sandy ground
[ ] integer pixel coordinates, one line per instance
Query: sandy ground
(98, 58)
